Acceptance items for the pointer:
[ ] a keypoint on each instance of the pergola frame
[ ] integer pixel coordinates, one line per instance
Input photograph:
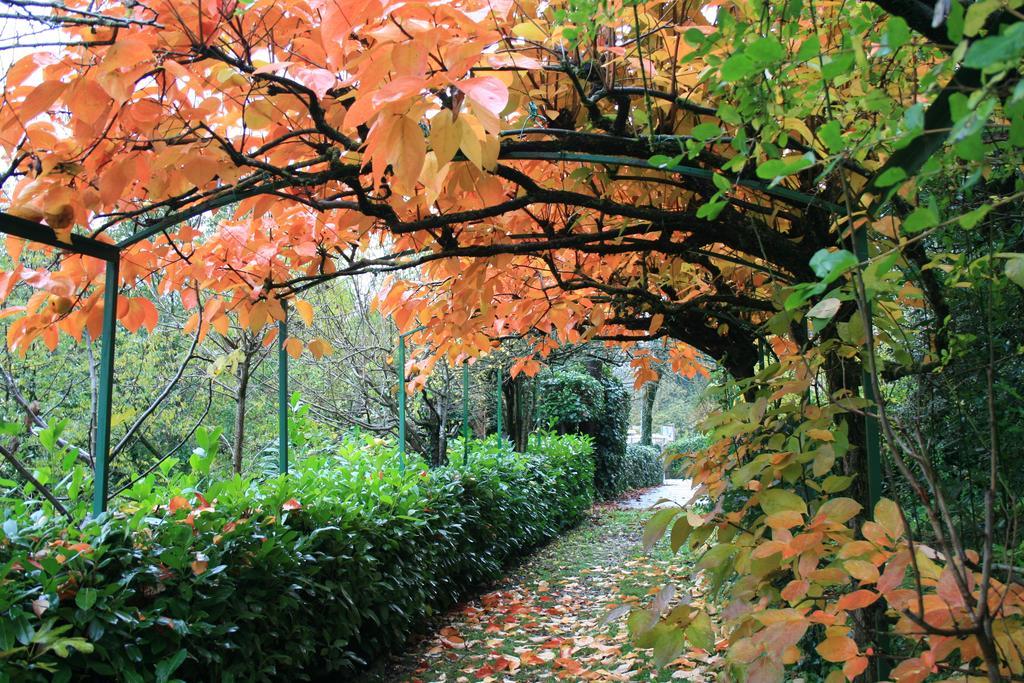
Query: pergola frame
(111, 255)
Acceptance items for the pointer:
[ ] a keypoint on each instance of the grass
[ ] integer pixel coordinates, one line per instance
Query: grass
(545, 620)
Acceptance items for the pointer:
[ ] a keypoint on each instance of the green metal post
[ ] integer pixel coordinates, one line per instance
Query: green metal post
(871, 432)
(533, 413)
(465, 412)
(499, 405)
(282, 393)
(401, 403)
(106, 389)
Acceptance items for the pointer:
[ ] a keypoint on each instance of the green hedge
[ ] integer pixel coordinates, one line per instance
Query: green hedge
(298, 576)
(642, 466)
(574, 401)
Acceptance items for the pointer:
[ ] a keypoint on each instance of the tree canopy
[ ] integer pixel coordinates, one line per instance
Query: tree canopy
(545, 168)
(796, 190)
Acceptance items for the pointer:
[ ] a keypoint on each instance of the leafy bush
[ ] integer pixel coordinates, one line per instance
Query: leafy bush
(297, 576)
(642, 466)
(573, 400)
(675, 463)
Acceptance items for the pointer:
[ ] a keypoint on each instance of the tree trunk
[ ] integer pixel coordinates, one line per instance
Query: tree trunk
(517, 394)
(238, 443)
(647, 411)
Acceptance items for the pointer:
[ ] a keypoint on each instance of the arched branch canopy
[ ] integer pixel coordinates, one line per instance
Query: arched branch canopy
(585, 178)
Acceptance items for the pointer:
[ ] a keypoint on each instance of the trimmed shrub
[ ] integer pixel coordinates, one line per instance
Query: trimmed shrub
(574, 401)
(643, 466)
(300, 576)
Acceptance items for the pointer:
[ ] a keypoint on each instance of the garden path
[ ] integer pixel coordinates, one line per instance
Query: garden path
(678, 491)
(545, 620)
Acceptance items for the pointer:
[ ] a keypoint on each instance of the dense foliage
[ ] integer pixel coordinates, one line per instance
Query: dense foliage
(593, 401)
(239, 579)
(642, 466)
(804, 191)
(676, 453)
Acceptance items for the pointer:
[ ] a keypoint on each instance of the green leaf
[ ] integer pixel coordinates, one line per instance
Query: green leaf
(808, 50)
(840, 64)
(920, 219)
(706, 131)
(970, 219)
(836, 483)
(85, 598)
(716, 556)
(680, 530)
(897, 32)
(830, 265)
(663, 161)
(668, 644)
(1015, 269)
(891, 176)
(977, 14)
(780, 500)
(955, 23)
(694, 36)
(913, 118)
(996, 50)
(766, 50)
(168, 666)
(738, 67)
(700, 632)
(777, 168)
(721, 182)
(656, 527)
(832, 135)
(710, 210)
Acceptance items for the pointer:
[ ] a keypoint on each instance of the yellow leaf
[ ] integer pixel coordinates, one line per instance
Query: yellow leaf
(821, 434)
(888, 515)
(470, 141)
(862, 570)
(409, 152)
(444, 137)
(840, 510)
(305, 311)
(529, 31)
(258, 114)
(294, 347)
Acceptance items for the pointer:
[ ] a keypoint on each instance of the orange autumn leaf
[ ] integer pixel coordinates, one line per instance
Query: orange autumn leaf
(837, 649)
(857, 599)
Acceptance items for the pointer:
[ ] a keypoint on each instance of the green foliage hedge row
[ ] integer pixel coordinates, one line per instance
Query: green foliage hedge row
(296, 576)
(575, 401)
(642, 466)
